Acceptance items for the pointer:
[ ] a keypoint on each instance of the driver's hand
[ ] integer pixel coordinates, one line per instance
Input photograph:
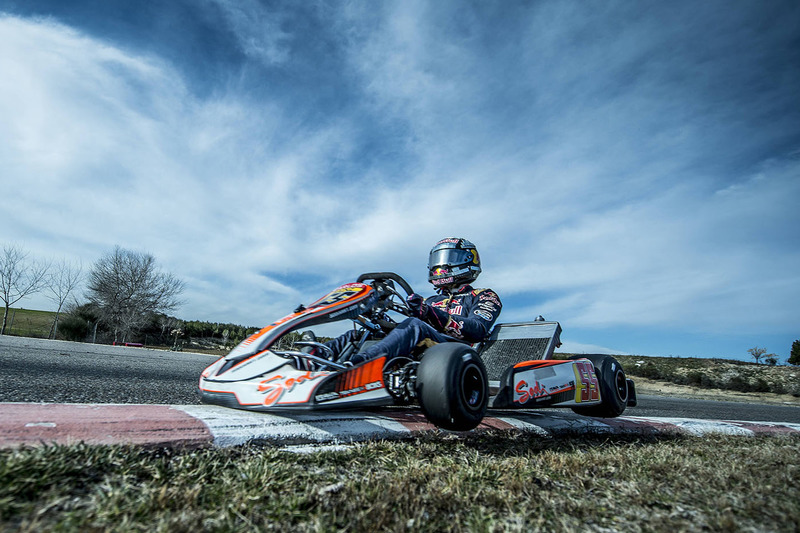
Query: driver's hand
(416, 304)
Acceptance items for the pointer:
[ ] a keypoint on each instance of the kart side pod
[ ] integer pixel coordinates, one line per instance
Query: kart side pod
(593, 385)
(522, 373)
(546, 383)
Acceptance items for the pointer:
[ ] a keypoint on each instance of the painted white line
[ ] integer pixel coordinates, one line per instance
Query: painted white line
(231, 427)
(524, 426)
(557, 422)
(727, 427)
(703, 427)
(788, 425)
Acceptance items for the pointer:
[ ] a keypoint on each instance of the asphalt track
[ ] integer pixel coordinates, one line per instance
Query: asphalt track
(61, 392)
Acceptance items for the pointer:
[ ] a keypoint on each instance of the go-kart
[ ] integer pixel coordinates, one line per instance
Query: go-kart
(449, 381)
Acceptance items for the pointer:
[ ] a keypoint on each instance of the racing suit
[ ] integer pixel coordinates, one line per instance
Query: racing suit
(463, 315)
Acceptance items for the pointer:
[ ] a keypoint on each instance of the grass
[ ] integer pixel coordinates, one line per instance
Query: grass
(38, 324)
(29, 323)
(487, 482)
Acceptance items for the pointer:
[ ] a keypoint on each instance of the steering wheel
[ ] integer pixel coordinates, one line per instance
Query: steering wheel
(384, 284)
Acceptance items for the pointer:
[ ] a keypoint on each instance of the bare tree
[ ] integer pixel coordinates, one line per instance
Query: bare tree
(127, 288)
(757, 353)
(60, 284)
(18, 278)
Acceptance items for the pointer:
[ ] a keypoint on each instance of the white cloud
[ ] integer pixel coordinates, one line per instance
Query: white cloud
(112, 149)
(257, 30)
(601, 198)
(598, 196)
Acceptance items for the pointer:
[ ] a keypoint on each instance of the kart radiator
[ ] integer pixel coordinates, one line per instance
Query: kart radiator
(513, 343)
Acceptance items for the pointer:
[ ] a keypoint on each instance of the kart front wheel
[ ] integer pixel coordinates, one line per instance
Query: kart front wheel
(452, 386)
(613, 387)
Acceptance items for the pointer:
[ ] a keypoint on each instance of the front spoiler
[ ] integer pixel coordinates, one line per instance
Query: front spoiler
(229, 400)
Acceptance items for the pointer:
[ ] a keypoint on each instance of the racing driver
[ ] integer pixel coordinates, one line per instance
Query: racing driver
(457, 313)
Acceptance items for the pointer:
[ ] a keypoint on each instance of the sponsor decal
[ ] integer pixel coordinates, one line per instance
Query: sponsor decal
(484, 315)
(454, 327)
(341, 294)
(487, 306)
(246, 363)
(587, 389)
(348, 286)
(443, 281)
(455, 310)
(343, 311)
(527, 393)
(448, 241)
(276, 386)
(543, 383)
(335, 395)
(489, 296)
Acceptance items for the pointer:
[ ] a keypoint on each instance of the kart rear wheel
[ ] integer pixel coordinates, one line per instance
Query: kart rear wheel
(613, 387)
(452, 386)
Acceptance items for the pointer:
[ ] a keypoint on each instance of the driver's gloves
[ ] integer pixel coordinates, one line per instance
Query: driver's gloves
(419, 309)
(416, 305)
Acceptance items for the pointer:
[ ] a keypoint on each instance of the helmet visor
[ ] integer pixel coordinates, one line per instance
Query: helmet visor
(449, 256)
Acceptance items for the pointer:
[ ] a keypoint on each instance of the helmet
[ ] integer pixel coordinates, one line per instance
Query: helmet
(453, 262)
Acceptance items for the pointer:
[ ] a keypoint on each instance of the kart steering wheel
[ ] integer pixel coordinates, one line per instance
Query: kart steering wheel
(385, 280)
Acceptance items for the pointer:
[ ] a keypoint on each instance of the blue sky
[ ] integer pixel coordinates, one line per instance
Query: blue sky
(630, 169)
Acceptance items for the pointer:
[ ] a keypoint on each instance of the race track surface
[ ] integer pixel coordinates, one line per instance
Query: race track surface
(36, 370)
(55, 391)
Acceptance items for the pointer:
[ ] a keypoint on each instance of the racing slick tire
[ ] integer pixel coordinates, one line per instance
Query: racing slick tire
(452, 386)
(613, 387)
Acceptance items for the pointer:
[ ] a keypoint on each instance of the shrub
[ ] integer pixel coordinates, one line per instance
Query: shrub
(738, 383)
(760, 386)
(73, 328)
(794, 356)
(695, 377)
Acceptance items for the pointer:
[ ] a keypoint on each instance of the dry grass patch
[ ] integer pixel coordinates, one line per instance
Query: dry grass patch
(488, 482)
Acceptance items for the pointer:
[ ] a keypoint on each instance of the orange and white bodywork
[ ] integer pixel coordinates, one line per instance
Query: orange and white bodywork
(253, 376)
(549, 383)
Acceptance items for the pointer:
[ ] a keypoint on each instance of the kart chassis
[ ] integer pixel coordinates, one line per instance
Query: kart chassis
(452, 382)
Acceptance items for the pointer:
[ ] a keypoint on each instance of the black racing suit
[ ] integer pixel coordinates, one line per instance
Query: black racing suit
(465, 315)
